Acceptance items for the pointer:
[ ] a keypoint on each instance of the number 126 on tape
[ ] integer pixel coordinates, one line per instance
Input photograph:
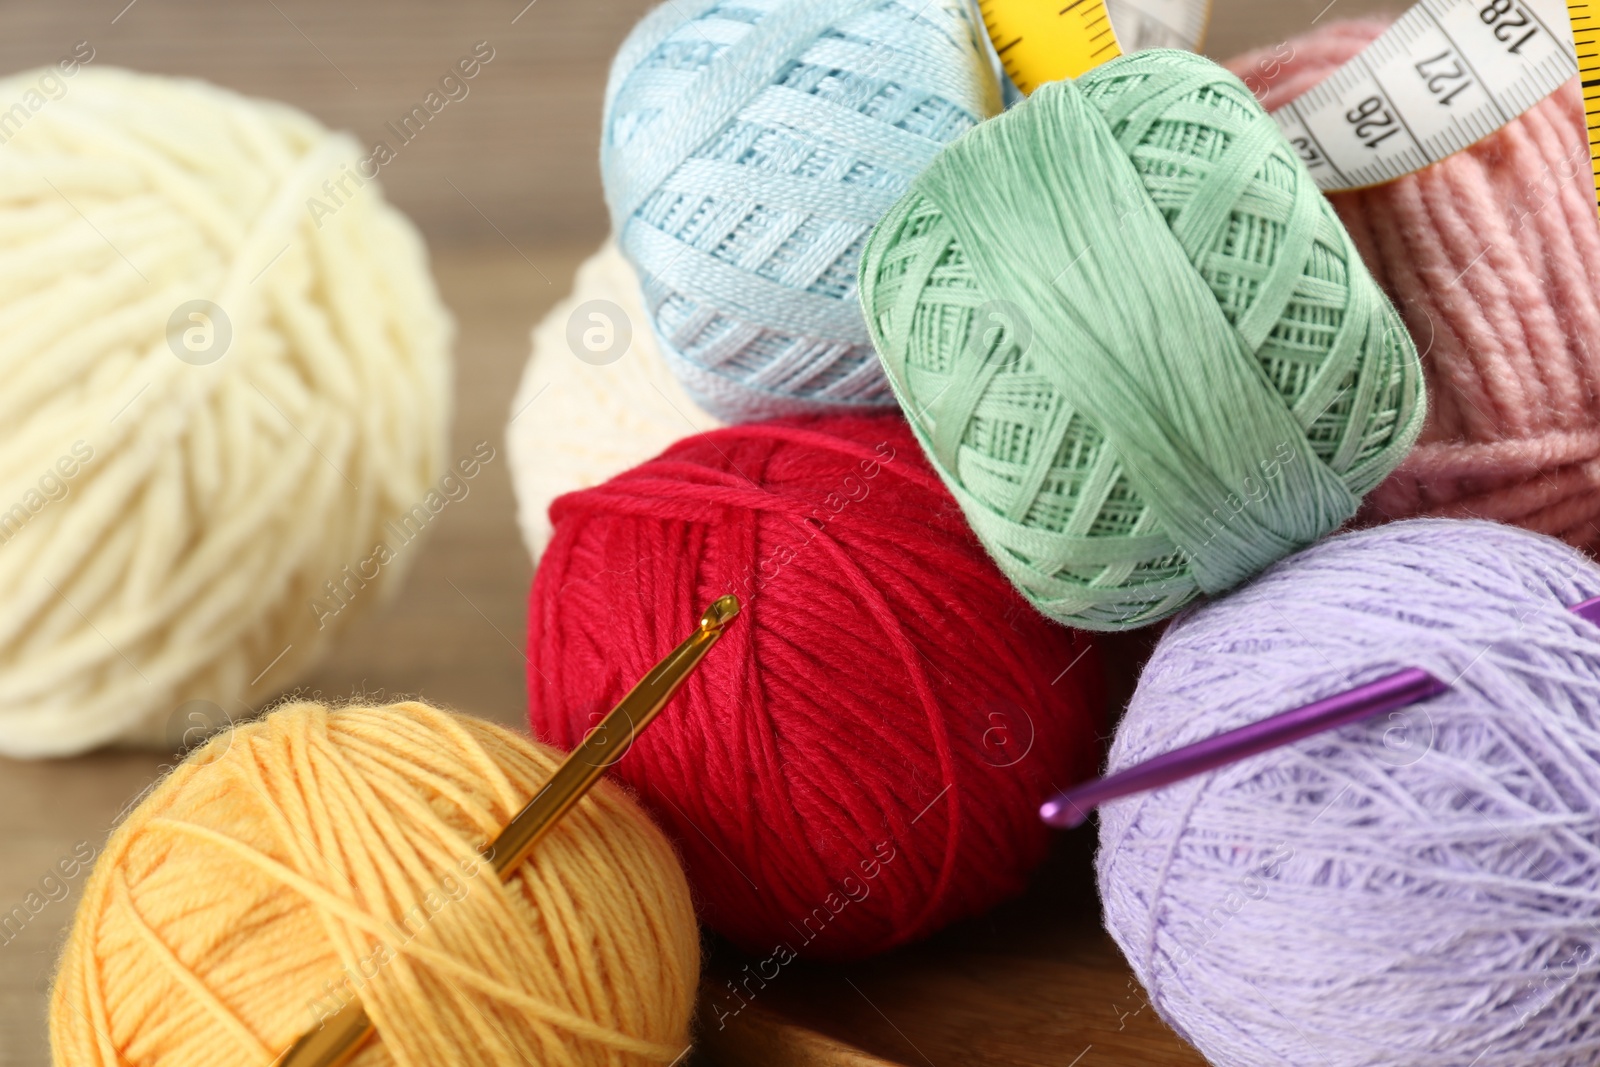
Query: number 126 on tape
(1445, 76)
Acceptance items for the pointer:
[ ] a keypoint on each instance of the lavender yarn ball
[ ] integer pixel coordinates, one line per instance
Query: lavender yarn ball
(748, 147)
(1422, 889)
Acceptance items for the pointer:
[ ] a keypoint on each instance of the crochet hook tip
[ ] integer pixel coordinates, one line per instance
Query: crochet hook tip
(1062, 814)
(720, 613)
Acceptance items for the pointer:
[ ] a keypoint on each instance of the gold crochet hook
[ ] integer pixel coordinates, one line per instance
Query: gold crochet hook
(341, 1036)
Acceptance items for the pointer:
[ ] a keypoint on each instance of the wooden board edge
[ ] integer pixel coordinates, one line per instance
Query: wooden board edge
(756, 1037)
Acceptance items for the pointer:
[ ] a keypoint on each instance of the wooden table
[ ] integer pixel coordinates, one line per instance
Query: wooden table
(452, 636)
(1034, 983)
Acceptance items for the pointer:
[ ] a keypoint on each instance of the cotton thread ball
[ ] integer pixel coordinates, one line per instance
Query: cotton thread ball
(596, 397)
(747, 148)
(1417, 888)
(1493, 256)
(1136, 342)
(320, 855)
(860, 761)
(213, 400)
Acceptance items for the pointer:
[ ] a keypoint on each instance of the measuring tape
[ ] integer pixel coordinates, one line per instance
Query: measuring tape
(1585, 19)
(1142, 24)
(1046, 40)
(1446, 75)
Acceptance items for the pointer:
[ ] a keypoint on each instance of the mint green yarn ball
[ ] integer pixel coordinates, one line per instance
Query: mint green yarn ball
(1136, 341)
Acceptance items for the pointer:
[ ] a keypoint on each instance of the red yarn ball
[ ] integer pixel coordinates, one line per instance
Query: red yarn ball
(860, 760)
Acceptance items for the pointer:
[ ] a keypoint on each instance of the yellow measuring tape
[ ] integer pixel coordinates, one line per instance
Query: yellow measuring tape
(1586, 36)
(1045, 42)
(1465, 87)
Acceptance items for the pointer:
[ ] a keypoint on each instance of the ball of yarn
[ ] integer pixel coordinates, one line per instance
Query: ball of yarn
(318, 856)
(216, 396)
(1136, 342)
(1415, 889)
(860, 760)
(596, 397)
(1493, 256)
(747, 148)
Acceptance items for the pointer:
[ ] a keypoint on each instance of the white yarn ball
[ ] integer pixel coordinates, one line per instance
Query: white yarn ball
(597, 397)
(166, 522)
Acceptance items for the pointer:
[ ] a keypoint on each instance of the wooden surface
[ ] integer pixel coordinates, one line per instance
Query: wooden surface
(1035, 983)
(521, 148)
(453, 635)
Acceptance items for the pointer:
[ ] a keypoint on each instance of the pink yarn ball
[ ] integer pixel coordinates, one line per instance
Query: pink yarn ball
(1493, 257)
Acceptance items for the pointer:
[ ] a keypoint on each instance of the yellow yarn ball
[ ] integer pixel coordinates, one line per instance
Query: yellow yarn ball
(221, 381)
(318, 854)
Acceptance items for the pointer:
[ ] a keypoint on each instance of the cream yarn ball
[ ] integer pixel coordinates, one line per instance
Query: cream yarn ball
(597, 397)
(215, 397)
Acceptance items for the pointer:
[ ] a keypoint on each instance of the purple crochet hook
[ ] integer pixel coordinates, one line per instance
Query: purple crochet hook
(1071, 807)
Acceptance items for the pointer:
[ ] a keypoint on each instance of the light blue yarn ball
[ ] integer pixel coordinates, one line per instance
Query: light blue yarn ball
(748, 148)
